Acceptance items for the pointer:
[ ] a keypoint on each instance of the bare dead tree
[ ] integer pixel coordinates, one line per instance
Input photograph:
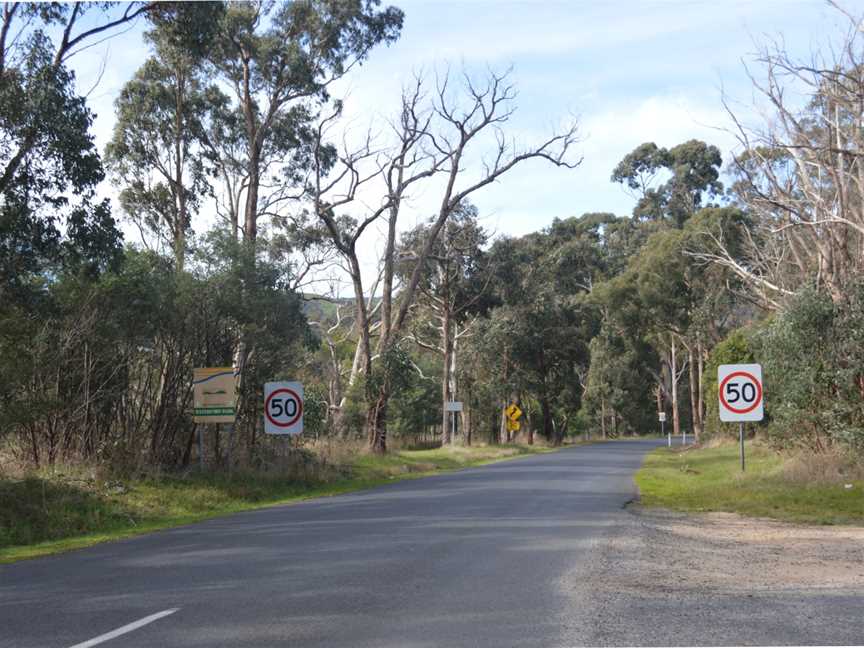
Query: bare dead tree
(800, 175)
(432, 138)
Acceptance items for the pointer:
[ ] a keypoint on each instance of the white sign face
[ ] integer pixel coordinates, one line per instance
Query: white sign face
(453, 406)
(740, 392)
(661, 417)
(283, 408)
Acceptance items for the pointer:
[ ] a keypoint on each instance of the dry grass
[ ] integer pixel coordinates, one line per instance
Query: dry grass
(832, 467)
(715, 442)
(338, 452)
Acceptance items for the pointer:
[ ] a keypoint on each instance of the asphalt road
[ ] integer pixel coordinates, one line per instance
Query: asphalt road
(502, 555)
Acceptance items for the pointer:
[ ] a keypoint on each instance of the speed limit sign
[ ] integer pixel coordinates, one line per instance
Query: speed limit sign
(740, 391)
(283, 408)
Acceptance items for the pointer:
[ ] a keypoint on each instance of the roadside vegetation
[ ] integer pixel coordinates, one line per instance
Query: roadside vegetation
(796, 487)
(70, 507)
(230, 157)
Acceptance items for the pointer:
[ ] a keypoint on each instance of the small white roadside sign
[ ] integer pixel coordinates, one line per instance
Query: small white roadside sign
(453, 406)
(283, 408)
(740, 392)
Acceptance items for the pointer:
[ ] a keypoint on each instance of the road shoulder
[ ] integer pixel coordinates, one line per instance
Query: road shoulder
(671, 578)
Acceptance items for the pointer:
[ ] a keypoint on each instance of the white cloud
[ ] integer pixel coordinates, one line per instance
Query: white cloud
(534, 194)
(495, 30)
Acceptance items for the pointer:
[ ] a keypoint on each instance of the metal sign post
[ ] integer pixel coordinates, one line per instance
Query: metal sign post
(230, 445)
(741, 439)
(661, 416)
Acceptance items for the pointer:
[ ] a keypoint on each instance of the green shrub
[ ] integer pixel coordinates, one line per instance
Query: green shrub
(812, 359)
(735, 349)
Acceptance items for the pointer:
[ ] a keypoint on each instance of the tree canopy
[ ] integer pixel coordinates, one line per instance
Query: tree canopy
(228, 155)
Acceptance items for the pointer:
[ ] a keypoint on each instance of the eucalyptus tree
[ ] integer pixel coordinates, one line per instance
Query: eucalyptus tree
(159, 146)
(664, 297)
(542, 281)
(51, 223)
(38, 88)
(560, 290)
(49, 167)
(691, 170)
(679, 304)
(489, 376)
(617, 384)
(451, 293)
(279, 59)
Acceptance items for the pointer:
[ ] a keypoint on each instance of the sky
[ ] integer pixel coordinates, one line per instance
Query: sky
(630, 71)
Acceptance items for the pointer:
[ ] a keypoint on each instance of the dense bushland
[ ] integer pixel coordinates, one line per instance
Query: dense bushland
(593, 324)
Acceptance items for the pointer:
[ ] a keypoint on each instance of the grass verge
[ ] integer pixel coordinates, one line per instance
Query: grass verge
(45, 514)
(710, 479)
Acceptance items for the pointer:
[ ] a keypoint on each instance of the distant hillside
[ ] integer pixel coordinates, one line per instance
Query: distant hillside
(323, 309)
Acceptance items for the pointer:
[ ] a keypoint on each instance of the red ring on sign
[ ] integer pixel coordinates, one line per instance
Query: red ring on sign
(755, 404)
(297, 399)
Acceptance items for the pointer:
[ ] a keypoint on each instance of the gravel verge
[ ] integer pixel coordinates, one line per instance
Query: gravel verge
(665, 578)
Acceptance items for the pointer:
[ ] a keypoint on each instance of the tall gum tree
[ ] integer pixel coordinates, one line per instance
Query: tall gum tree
(49, 166)
(20, 41)
(692, 170)
(541, 281)
(451, 293)
(279, 60)
(158, 150)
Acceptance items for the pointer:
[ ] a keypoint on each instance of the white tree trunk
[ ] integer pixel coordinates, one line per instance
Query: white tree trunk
(676, 422)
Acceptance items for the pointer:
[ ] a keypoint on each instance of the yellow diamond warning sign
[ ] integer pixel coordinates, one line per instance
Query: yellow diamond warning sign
(513, 412)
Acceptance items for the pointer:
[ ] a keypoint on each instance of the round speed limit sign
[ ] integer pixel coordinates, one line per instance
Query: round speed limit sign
(739, 388)
(283, 408)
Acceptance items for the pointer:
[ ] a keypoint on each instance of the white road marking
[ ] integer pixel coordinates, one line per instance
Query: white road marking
(140, 623)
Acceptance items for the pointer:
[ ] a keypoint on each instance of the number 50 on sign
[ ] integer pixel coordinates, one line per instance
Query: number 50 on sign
(283, 408)
(740, 392)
